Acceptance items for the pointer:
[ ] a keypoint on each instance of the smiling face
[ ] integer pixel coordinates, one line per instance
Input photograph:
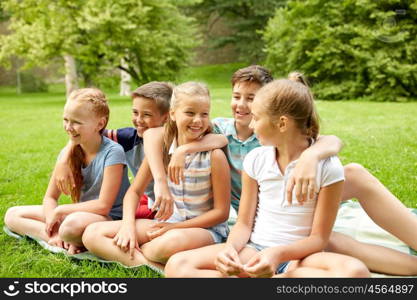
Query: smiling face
(243, 95)
(191, 117)
(145, 115)
(81, 123)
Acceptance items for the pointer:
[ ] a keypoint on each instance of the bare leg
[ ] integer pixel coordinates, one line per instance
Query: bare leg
(98, 239)
(200, 262)
(325, 264)
(380, 204)
(73, 226)
(377, 258)
(176, 240)
(27, 220)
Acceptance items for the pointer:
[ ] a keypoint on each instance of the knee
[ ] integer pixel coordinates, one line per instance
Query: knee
(91, 234)
(335, 243)
(71, 227)
(178, 265)
(163, 247)
(12, 214)
(355, 171)
(355, 268)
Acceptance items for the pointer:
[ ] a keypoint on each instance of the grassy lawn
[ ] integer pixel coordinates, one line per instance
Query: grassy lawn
(381, 136)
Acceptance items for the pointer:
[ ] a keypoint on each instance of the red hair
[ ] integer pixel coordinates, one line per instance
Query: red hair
(98, 104)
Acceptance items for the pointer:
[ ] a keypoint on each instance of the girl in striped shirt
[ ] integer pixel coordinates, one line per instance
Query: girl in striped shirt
(202, 199)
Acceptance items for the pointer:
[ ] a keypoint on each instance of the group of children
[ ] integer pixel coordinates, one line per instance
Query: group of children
(268, 163)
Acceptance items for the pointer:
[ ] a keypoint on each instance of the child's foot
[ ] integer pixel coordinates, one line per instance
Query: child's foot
(72, 249)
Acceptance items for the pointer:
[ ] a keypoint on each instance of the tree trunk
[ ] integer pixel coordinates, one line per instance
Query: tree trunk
(71, 80)
(125, 80)
(18, 82)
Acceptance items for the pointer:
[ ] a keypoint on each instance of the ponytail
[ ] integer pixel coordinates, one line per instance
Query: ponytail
(292, 97)
(170, 133)
(76, 159)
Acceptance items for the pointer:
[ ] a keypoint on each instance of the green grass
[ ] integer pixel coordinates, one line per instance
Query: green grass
(381, 136)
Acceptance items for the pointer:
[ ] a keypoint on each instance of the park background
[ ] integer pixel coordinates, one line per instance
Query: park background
(359, 56)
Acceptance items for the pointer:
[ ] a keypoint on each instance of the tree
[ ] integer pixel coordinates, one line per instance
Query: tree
(349, 49)
(246, 18)
(151, 36)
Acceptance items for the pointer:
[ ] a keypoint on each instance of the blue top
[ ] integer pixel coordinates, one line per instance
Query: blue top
(110, 153)
(133, 147)
(236, 152)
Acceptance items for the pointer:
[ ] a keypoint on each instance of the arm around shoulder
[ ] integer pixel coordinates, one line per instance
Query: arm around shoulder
(326, 146)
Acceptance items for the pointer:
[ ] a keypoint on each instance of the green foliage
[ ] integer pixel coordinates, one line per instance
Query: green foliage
(32, 83)
(153, 37)
(245, 19)
(349, 49)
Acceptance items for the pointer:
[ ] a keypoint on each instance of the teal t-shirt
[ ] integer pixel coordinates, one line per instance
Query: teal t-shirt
(236, 152)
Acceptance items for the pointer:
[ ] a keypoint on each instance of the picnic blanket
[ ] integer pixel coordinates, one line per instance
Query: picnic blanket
(81, 256)
(351, 220)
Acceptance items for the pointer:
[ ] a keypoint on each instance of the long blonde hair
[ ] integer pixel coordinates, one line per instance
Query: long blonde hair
(98, 104)
(195, 89)
(292, 97)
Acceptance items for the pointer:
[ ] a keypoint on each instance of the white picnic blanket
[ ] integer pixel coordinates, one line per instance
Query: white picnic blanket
(351, 220)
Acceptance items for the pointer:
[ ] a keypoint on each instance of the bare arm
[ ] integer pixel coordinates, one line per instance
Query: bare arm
(227, 261)
(126, 236)
(153, 145)
(303, 179)
(112, 179)
(63, 174)
(50, 202)
(325, 146)
(208, 142)
(135, 192)
(241, 231)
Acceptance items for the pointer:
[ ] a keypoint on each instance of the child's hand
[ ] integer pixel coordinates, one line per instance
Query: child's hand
(262, 264)
(228, 262)
(53, 221)
(164, 202)
(176, 166)
(303, 179)
(159, 229)
(64, 178)
(125, 239)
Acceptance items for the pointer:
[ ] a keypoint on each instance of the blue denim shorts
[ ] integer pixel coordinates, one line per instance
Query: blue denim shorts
(282, 267)
(219, 232)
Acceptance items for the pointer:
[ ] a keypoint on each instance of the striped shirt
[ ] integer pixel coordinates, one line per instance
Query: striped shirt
(236, 152)
(194, 196)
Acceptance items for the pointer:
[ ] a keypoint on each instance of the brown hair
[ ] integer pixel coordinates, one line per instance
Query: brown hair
(292, 97)
(195, 89)
(98, 104)
(158, 91)
(253, 73)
